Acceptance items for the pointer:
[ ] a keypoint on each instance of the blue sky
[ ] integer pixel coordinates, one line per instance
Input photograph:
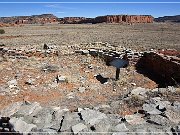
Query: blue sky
(89, 9)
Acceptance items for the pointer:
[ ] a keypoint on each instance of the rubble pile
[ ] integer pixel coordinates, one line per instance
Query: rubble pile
(109, 52)
(154, 116)
(70, 89)
(24, 53)
(164, 63)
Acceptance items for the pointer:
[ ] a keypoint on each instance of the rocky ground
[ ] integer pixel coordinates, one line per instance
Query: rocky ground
(156, 116)
(53, 81)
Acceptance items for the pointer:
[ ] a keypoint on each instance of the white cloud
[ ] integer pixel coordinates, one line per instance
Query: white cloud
(58, 6)
(60, 12)
(52, 6)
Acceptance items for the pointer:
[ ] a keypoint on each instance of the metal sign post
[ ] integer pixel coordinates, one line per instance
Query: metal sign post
(117, 73)
(119, 63)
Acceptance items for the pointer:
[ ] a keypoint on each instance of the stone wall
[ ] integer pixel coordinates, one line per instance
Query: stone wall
(167, 67)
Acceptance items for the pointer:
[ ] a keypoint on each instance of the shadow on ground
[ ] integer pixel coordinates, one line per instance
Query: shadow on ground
(101, 79)
(6, 128)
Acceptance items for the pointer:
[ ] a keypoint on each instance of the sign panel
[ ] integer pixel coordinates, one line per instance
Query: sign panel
(119, 63)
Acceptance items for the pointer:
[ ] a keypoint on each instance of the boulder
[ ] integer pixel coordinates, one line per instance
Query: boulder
(141, 92)
(28, 109)
(78, 128)
(43, 118)
(151, 109)
(11, 109)
(121, 127)
(173, 116)
(103, 125)
(158, 120)
(20, 126)
(176, 105)
(70, 119)
(92, 117)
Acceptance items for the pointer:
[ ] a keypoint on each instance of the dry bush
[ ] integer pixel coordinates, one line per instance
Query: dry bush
(135, 101)
(2, 31)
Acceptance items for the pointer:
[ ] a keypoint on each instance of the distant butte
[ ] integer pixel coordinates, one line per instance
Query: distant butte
(50, 18)
(109, 19)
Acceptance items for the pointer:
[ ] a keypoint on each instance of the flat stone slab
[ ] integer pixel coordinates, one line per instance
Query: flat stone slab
(159, 120)
(92, 117)
(70, 119)
(151, 109)
(21, 126)
(173, 116)
(10, 110)
(135, 119)
(121, 127)
(78, 128)
(29, 109)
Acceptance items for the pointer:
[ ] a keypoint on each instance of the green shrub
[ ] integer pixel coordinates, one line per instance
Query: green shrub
(2, 31)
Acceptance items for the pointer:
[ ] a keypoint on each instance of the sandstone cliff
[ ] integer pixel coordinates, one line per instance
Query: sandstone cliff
(124, 18)
(34, 19)
(109, 19)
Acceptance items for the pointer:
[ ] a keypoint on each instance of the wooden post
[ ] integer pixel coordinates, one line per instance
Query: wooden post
(117, 73)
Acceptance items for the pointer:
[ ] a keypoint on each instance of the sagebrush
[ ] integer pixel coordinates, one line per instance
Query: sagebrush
(2, 31)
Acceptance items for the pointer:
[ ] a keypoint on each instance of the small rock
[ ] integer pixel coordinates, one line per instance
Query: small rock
(79, 109)
(171, 89)
(12, 83)
(85, 52)
(133, 84)
(155, 90)
(139, 92)
(135, 119)
(119, 133)
(82, 89)
(70, 95)
(93, 51)
(90, 66)
(176, 105)
(30, 81)
(61, 79)
(162, 90)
